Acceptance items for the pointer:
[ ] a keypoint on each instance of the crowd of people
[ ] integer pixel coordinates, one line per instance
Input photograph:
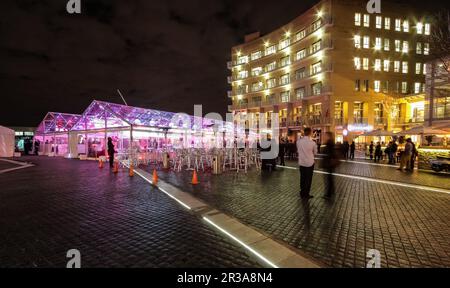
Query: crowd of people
(305, 149)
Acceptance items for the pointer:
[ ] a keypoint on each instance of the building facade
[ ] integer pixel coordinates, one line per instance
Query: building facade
(335, 68)
(437, 98)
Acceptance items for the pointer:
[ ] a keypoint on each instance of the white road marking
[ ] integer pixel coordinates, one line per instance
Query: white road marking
(420, 187)
(22, 165)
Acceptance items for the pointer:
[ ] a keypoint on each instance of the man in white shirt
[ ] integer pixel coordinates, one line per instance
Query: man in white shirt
(307, 150)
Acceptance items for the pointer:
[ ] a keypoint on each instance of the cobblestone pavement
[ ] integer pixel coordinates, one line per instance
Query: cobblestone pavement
(410, 227)
(114, 220)
(388, 173)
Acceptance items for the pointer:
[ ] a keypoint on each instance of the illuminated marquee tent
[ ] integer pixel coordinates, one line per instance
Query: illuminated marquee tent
(133, 127)
(53, 133)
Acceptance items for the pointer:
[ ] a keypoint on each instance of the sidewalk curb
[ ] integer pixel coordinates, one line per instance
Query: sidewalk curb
(268, 251)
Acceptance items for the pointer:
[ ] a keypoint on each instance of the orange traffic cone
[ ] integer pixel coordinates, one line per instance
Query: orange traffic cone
(116, 167)
(100, 164)
(155, 177)
(194, 178)
(131, 170)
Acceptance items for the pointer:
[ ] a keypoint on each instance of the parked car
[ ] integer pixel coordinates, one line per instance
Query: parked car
(440, 164)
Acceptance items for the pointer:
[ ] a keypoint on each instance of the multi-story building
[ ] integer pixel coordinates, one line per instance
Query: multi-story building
(336, 68)
(437, 98)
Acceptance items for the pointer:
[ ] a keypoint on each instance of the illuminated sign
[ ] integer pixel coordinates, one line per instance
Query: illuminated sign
(359, 128)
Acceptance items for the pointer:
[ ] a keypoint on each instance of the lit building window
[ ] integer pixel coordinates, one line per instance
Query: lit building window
(426, 48)
(427, 29)
(387, 44)
(285, 96)
(405, 67)
(366, 20)
(300, 93)
(386, 86)
(316, 88)
(419, 48)
(270, 83)
(376, 86)
(285, 61)
(300, 73)
(386, 65)
(316, 46)
(396, 66)
(398, 25)
(406, 26)
(357, 62)
(357, 19)
(404, 87)
(378, 43)
(243, 74)
(419, 28)
(377, 66)
(256, 55)
(357, 85)
(366, 63)
(284, 79)
(316, 68)
(257, 86)
(405, 48)
(379, 22)
(366, 42)
(300, 35)
(242, 59)
(418, 68)
(357, 39)
(271, 50)
(417, 87)
(387, 23)
(301, 54)
(398, 46)
(271, 66)
(284, 43)
(425, 68)
(256, 71)
(316, 25)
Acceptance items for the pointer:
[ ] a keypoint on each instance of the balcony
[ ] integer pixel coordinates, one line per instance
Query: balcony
(360, 121)
(238, 106)
(229, 94)
(230, 65)
(339, 121)
(326, 20)
(380, 121)
(230, 79)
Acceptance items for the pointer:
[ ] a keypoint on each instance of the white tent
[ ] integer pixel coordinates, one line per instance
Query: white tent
(7, 142)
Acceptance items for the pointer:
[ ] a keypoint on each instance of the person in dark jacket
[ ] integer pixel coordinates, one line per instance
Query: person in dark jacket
(413, 157)
(378, 152)
(111, 152)
(352, 150)
(345, 148)
(330, 162)
(371, 146)
(281, 152)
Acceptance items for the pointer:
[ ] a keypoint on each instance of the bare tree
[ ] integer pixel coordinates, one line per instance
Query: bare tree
(440, 38)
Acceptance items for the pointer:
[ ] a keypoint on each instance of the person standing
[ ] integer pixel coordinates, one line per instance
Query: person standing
(352, 150)
(378, 152)
(330, 162)
(281, 152)
(371, 150)
(307, 150)
(111, 152)
(406, 155)
(413, 157)
(345, 148)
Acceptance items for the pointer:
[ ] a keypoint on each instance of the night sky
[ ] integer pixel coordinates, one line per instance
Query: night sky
(166, 55)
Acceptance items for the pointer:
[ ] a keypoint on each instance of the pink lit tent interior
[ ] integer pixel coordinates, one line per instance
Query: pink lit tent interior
(71, 135)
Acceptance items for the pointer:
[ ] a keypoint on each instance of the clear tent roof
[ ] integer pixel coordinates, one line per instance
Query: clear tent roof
(55, 122)
(100, 113)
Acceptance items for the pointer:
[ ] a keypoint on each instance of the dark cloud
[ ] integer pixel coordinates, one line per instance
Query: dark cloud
(165, 55)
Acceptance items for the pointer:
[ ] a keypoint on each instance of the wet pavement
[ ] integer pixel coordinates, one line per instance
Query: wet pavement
(113, 220)
(410, 227)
